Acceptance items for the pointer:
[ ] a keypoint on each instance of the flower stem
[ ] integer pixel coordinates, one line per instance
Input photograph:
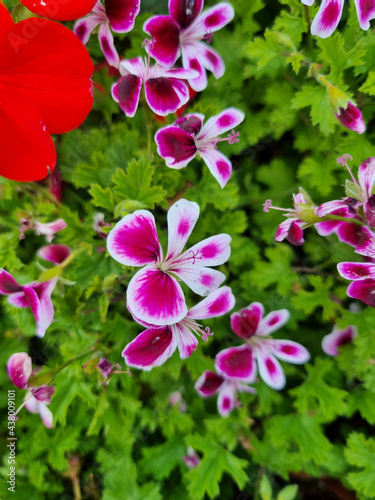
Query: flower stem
(257, 485)
(343, 219)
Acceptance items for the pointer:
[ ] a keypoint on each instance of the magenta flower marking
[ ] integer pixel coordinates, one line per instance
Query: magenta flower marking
(54, 253)
(182, 32)
(179, 143)
(210, 383)
(165, 91)
(154, 294)
(116, 14)
(332, 342)
(36, 295)
(19, 368)
(351, 118)
(362, 275)
(156, 344)
(329, 15)
(239, 363)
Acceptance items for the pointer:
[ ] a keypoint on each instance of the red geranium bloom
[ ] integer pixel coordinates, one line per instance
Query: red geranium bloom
(60, 10)
(45, 88)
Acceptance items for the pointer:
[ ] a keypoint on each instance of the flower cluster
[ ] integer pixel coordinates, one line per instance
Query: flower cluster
(351, 218)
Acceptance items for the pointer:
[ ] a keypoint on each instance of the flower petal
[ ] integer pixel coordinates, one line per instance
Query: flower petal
(356, 270)
(60, 10)
(332, 341)
(365, 12)
(227, 399)
(134, 240)
(273, 321)
(151, 348)
(166, 95)
(83, 28)
(366, 243)
(208, 384)
(54, 253)
(43, 394)
(202, 280)
(185, 11)
(108, 46)
(32, 404)
(349, 233)
(211, 60)
(126, 92)
(8, 284)
(156, 297)
(50, 228)
(212, 251)
(39, 297)
(219, 165)
(283, 229)
(186, 340)
(269, 368)
(176, 146)
(363, 290)
(339, 207)
(191, 61)
(182, 217)
(19, 369)
(366, 176)
(47, 416)
(237, 363)
(351, 118)
(6, 21)
(122, 14)
(327, 18)
(246, 321)
(289, 351)
(213, 19)
(221, 123)
(191, 123)
(166, 39)
(219, 302)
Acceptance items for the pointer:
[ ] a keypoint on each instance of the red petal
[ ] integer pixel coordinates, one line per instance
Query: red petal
(6, 21)
(60, 10)
(48, 66)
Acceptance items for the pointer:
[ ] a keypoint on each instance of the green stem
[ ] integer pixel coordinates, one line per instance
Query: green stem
(257, 485)
(344, 219)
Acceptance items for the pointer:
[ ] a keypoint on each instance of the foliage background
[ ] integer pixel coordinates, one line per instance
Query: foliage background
(126, 440)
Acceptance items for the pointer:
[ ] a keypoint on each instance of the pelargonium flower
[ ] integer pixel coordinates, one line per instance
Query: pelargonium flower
(210, 383)
(362, 275)
(329, 15)
(182, 32)
(48, 229)
(179, 143)
(156, 344)
(45, 88)
(54, 253)
(240, 362)
(191, 460)
(116, 14)
(60, 10)
(351, 118)
(165, 91)
(19, 368)
(36, 295)
(154, 294)
(298, 218)
(333, 341)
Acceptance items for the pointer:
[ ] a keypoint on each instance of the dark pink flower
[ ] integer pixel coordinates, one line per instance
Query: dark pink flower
(362, 275)
(116, 14)
(165, 91)
(154, 294)
(54, 253)
(36, 295)
(351, 118)
(19, 369)
(329, 15)
(347, 232)
(183, 32)
(210, 383)
(334, 340)
(156, 344)
(179, 143)
(240, 363)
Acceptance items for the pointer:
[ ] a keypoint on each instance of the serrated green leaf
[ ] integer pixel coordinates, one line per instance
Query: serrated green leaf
(360, 453)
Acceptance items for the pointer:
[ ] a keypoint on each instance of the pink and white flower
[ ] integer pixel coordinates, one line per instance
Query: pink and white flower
(36, 295)
(165, 91)
(154, 294)
(347, 232)
(116, 14)
(351, 118)
(191, 460)
(179, 143)
(333, 341)
(329, 15)
(210, 383)
(48, 229)
(54, 253)
(362, 275)
(156, 344)
(183, 32)
(260, 349)
(19, 369)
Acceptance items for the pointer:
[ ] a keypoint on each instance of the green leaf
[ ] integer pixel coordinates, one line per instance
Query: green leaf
(338, 56)
(360, 453)
(101, 197)
(205, 478)
(288, 493)
(265, 50)
(321, 113)
(369, 86)
(265, 488)
(159, 461)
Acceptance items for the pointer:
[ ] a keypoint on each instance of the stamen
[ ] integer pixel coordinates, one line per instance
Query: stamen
(268, 204)
(343, 162)
(206, 333)
(233, 137)
(148, 44)
(194, 255)
(208, 37)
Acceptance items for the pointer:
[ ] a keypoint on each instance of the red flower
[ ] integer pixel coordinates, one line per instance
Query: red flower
(45, 88)
(60, 10)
